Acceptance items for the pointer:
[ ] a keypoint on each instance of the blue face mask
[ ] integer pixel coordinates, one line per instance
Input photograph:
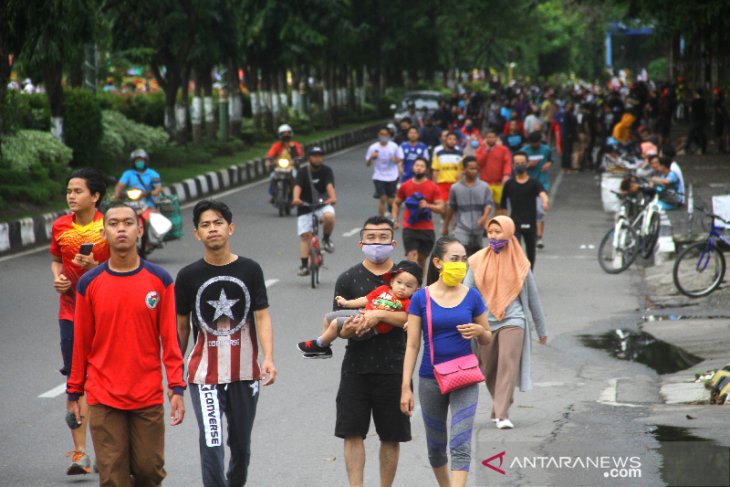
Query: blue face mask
(474, 143)
(140, 165)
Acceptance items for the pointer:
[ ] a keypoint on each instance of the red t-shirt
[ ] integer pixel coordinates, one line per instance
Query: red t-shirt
(123, 323)
(494, 163)
(430, 192)
(382, 298)
(66, 239)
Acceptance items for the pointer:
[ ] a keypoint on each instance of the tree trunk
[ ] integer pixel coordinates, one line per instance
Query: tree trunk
(52, 74)
(206, 82)
(181, 108)
(255, 90)
(235, 112)
(196, 109)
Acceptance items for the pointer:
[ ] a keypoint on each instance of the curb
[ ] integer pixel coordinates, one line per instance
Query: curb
(33, 231)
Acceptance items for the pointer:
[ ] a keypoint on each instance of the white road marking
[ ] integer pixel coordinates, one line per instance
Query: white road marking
(270, 282)
(350, 233)
(25, 252)
(55, 392)
(609, 395)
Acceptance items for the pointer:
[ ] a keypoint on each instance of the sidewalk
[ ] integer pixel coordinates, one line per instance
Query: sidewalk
(29, 232)
(700, 326)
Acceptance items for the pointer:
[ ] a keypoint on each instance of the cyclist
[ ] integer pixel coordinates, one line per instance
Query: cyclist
(314, 184)
(284, 148)
(140, 176)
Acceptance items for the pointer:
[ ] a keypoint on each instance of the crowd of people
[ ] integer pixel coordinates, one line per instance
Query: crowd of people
(481, 166)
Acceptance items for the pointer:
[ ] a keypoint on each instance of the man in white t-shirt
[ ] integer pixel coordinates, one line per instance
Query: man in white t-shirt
(387, 160)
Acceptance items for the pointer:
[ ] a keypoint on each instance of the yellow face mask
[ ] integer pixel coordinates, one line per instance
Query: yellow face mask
(453, 273)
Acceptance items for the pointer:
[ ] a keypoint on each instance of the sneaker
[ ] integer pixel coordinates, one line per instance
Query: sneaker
(80, 463)
(328, 246)
(310, 349)
(303, 271)
(540, 245)
(503, 424)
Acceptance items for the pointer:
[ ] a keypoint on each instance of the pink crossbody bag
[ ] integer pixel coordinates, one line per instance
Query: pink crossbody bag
(456, 373)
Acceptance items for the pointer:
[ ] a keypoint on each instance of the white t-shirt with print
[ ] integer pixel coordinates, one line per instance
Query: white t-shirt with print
(384, 168)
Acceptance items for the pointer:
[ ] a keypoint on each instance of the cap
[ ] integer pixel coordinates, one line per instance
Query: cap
(315, 150)
(405, 266)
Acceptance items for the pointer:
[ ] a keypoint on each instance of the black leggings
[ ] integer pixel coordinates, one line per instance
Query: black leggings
(529, 236)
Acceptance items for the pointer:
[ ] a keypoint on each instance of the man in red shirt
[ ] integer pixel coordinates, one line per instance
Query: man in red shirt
(422, 197)
(124, 320)
(495, 164)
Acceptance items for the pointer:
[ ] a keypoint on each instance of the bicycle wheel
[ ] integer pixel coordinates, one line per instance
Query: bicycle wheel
(699, 270)
(650, 239)
(617, 254)
(313, 267)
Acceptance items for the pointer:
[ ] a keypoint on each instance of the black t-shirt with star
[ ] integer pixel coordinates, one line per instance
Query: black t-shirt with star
(381, 354)
(221, 301)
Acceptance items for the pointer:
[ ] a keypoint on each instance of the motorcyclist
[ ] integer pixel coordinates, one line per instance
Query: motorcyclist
(140, 176)
(284, 148)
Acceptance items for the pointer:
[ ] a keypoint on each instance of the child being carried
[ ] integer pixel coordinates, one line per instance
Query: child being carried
(404, 280)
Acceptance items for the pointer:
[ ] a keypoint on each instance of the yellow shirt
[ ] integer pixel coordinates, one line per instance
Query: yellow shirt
(448, 163)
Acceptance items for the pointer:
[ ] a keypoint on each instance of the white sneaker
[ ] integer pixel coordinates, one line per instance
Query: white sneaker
(504, 424)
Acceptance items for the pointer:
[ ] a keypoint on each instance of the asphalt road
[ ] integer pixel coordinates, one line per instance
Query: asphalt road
(585, 404)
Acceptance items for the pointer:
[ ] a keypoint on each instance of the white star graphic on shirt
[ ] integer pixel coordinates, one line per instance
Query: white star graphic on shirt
(223, 305)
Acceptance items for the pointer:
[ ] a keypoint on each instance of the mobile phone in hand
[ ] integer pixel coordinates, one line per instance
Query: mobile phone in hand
(85, 248)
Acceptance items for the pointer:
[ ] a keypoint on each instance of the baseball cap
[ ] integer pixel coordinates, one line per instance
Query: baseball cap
(315, 150)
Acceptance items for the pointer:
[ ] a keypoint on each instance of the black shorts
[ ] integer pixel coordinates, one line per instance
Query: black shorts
(361, 395)
(385, 188)
(420, 240)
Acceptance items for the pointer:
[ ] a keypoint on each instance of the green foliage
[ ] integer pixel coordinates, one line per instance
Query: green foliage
(82, 126)
(122, 136)
(33, 168)
(146, 108)
(657, 69)
(26, 111)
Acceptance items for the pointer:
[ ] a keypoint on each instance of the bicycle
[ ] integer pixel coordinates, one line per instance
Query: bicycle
(700, 268)
(629, 237)
(315, 256)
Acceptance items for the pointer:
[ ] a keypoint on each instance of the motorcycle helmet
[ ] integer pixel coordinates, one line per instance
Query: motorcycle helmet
(137, 155)
(285, 132)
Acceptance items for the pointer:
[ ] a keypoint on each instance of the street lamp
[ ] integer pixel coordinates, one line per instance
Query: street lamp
(510, 67)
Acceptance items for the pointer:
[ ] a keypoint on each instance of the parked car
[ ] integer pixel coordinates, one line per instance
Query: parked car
(421, 99)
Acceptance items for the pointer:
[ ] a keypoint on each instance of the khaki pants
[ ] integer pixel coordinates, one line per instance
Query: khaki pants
(128, 443)
(500, 362)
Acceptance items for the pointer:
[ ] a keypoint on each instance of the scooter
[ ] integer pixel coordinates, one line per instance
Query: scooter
(283, 185)
(156, 225)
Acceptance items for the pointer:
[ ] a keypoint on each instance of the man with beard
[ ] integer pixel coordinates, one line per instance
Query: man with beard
(226, 296)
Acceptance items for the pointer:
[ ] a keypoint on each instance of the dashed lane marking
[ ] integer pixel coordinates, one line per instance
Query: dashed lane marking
(270, 282)
(55, 392)
(350, 233)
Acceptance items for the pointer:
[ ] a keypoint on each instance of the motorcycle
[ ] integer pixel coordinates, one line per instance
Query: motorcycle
(283, 185)
(156, 226)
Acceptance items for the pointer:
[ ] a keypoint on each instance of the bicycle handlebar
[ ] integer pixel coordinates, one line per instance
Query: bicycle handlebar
(712, 215)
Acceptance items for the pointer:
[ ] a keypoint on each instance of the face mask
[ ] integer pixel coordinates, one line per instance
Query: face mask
(140, 165)
(383, 139)
(285, 138)
(377, 253)
(453, 273)
(520, 169)
(497, 245)
(468, 127)
(474, 143)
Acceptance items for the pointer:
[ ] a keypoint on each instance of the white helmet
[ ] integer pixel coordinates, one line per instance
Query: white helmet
(284, 128)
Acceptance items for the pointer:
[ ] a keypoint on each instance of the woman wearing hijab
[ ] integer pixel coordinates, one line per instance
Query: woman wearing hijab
(501, 273)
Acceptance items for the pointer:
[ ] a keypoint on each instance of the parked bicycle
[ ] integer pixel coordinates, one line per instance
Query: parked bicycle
(635, 232)
(700, 268)
(316, 257)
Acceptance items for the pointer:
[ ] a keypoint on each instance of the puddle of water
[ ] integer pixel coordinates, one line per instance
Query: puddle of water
(689, 460)
(644, 348)
(678, 317)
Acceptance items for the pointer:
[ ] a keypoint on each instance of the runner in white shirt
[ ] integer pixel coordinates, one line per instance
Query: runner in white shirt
(387, 160)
